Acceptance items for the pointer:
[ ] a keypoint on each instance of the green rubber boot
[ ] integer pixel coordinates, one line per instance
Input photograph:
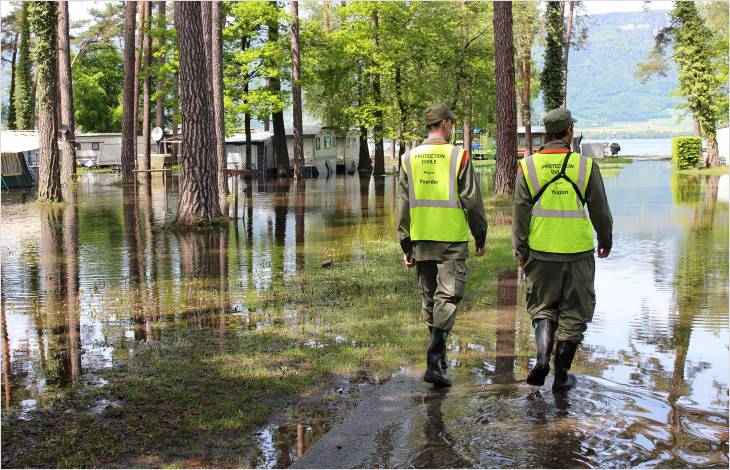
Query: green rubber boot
(544, 338)
(434, 374)
(564, 354)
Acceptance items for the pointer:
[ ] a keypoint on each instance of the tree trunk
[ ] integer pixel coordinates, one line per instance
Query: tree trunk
(147, 91)
(378, 128)
(218, 110)
(24, 87)
(283, 166)
(43, 18)
(697, 127)
(11, 121)
(128, 96)
(296, 92)
(137, 69)
(568, 33)
(403, 115)
(326, 14)
(712, 159)
(68, 141)
(527, 99)
(364, 164)
(198, 191)
(162, 25)
(467, 123)
(247, 131)
(504, 181)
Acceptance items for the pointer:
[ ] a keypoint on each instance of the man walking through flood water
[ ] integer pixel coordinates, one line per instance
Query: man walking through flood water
(439, 202)
(553, 239)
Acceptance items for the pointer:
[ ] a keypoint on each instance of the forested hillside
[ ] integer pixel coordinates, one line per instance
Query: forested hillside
(601, 87)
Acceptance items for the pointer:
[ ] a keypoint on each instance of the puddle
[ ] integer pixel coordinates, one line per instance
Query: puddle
(84, 289)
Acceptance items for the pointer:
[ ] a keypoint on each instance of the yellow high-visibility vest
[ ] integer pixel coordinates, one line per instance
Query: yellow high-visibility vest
(433, 195)
(557, 185)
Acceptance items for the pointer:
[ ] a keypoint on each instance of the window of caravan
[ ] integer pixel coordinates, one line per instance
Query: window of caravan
(316, 143)
(95, 146)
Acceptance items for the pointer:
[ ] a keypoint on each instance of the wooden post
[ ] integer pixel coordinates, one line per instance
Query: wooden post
(235, 197)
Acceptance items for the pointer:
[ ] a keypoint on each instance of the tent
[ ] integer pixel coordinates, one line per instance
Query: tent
(19, 151)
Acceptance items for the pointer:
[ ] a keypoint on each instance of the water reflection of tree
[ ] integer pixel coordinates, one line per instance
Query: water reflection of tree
(700, 279)
(506, 323)
(135, 258)
(58, 322)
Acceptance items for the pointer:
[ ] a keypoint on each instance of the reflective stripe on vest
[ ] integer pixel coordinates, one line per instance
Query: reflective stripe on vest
(559, 222)
(435, 208)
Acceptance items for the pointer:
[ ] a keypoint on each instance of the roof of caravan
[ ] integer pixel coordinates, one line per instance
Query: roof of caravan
(256, 136)
(18, 141)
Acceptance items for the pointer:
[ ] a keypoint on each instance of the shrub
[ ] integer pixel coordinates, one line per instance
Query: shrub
(686, 152)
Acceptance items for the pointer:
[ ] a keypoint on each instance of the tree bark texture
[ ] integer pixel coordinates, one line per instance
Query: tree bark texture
(296, 92)
(377, 95)
(43, 18)
(504, 180)
(24, 87)
(160, 108)
(283, 165)
(198, 185)
(403, 115)
(68, 141)
(146, 88)
(128, 95)
(712, 158)
(326, 14)
(218, 110)
(137, 70)
(11, 98)
(568, 33)
(364, 164)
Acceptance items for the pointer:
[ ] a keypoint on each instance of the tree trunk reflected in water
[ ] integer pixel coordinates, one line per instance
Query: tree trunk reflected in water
(506, 317)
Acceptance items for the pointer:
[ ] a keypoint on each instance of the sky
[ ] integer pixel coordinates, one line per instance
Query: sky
(79, 8)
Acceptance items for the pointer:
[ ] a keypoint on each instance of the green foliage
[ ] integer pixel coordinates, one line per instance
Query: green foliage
(97, 81)
(701, 56)
(24, 99)
(716, 15)
(553, 72)
(426, 52)
(686, 152)
(698, 83)
(249, 59)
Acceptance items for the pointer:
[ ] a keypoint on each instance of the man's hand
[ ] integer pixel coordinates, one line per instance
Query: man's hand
(602, 252)
(409, 261)
(481, 251)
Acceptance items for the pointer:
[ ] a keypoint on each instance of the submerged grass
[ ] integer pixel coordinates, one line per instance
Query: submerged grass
(720, 170)
(195, 395)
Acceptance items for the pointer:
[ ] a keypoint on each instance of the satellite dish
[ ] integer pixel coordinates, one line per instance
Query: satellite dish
(63, 129)
(157, 134)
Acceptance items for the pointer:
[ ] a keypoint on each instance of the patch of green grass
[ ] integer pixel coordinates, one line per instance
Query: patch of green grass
(613, 161)
(194, 394)
(720, 170)
(478, 163)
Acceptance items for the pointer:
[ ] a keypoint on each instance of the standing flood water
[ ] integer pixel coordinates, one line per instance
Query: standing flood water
(85, 288)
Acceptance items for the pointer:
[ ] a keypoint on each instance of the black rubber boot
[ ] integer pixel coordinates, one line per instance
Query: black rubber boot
(434, 374)
(564, 354)
(444, 363)
(544, 337)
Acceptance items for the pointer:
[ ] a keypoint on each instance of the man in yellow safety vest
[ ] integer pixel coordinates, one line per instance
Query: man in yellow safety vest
(553, 239)
(439, 202)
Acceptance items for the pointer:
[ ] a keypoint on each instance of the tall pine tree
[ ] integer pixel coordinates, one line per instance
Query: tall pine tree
(553, 72)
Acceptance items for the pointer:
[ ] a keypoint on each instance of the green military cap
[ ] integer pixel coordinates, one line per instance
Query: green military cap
(438, 112)
(557, 120)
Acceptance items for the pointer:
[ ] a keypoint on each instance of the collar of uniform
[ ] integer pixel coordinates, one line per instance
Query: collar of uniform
(554, 146)
(434, 141)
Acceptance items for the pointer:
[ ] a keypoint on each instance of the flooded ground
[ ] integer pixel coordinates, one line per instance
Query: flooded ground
(108, 319)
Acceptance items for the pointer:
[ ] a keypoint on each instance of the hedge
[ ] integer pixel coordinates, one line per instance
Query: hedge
(686, 152)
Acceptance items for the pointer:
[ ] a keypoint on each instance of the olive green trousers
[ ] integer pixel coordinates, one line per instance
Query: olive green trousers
(562, 292)
(442, 287)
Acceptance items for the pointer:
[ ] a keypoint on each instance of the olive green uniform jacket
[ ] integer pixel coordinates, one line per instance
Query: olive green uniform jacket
(560, 287)
(441, 266)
